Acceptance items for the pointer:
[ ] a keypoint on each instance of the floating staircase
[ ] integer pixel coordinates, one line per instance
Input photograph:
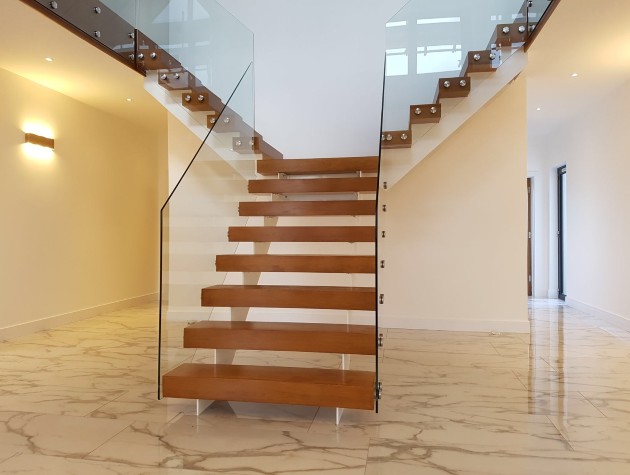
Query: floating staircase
(304, 189)
(341, 387)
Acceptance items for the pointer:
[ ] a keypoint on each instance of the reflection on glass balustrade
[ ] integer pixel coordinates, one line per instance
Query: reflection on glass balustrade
(204, 37)
(194, 223)
(428, 40)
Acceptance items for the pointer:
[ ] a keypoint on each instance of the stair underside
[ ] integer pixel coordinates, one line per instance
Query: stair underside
(314, 185)
(296, 263)
(307, 208)
(289, 296)
(317, 166)
(268, 384)
(310, 337)
(301, 234)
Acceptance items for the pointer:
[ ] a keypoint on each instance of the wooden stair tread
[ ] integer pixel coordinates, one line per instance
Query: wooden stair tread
(301, 234)
(314, 185)
(271, 384)
(296, 263)
(316, 166)
(311, 337)
(307, 208)
(289, 296)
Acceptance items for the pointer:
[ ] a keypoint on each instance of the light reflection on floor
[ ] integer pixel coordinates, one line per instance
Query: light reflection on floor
(81, 399)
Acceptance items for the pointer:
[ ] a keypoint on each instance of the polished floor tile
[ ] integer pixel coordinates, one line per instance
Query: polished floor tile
(82, 399)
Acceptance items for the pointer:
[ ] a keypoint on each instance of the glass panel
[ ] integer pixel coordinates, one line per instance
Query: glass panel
(429, 40)
(125, 9)
(203, 36)
(195, 222)
(536, 12)
(100, 22)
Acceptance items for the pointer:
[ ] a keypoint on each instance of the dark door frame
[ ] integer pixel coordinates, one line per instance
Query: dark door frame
(561, 172)
(530, 276)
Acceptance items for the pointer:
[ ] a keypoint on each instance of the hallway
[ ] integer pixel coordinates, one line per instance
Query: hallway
(81, 399)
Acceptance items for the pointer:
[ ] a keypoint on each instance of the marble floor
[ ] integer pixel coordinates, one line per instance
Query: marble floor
(80, 399)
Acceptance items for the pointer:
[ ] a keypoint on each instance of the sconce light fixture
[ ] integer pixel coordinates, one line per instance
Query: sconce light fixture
(39, 140)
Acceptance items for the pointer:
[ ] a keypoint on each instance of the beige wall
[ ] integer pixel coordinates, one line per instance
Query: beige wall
(456, 225)
(78, 231)
(595, 147)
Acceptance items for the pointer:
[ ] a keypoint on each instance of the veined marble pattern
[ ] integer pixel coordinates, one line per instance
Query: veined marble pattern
(82, 399)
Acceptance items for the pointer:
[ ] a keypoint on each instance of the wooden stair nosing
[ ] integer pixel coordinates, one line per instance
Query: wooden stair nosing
(331, 264)
(318, 166)
(302, 234)
(307, 208)
(289, 296)
(314, 185)
(271, 384)
(266, 336)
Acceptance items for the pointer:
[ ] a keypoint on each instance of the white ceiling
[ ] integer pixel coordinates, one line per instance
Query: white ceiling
(104, 84)
(583, 36)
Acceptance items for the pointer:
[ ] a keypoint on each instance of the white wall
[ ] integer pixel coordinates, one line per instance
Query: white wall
(319, 72)
(456, 228)
(536, 167)
(595, 147)
(79, 232)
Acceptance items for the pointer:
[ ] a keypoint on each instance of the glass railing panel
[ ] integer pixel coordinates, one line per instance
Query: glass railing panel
(536, 10)
(428, 40)
(203, 36)
(194, 226)
(98, 21)
(125, 9)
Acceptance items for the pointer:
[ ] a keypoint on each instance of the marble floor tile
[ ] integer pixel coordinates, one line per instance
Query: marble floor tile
(42, 464)
(258, 416)
(55, 435)
(388, 457)
(143, 405)
(607, 438)
(60, 400)
(187, 444)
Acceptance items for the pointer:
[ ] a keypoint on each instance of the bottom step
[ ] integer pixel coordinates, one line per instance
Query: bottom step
(271, 384)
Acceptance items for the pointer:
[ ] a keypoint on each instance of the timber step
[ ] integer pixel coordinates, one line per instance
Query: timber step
(311, 337)
(301, 234)
(269, 384)
(296, 263)
(451, 88)
(289, 296)
(307, 208)
(314, 185)
(317, 166)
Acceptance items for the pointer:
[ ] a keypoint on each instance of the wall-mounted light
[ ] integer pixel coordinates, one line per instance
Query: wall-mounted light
(39, 140)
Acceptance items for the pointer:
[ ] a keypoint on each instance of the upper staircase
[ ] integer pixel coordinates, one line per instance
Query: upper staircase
(413, 128)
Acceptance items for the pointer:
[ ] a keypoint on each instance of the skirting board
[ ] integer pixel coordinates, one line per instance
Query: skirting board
(28, 328)
(484, 326)
(608, 317)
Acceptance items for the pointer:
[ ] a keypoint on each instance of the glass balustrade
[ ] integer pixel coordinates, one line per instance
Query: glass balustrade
(195, 221)
(428, 40)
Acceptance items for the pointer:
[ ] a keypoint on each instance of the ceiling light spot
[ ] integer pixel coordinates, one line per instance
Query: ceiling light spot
(129, 99)
(49, 59)
(574, 75)
(538, 108)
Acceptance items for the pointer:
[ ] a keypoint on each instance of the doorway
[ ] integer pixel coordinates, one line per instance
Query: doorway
(562, 228)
